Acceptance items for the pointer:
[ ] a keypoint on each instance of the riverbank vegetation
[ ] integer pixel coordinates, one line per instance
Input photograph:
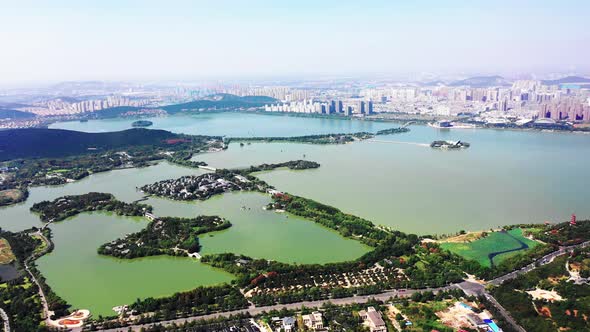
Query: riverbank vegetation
(346, 224)
(165, 236)
(69, 206)
(183, 158)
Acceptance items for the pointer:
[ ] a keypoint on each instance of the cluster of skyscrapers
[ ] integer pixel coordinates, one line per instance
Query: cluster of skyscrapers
(346, 107)
(64, 106)
(527, 98)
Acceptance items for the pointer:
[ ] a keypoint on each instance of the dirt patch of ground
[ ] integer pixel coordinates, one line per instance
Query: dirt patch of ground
(544, 311)
(467, 237)
(12, 194)
(6, 255)
(542, 294)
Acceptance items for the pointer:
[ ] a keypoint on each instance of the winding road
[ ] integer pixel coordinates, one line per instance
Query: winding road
(48, 244)
(5, 320)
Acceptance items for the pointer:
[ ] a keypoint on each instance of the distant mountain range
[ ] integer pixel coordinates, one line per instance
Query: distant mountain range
(53, 143)
(14, 114)
(567, 80)
(481, 81)
(218, 101)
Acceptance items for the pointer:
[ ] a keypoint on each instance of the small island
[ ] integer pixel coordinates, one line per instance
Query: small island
(449, 145)
(293, 164)
(391, 131)
(69, 206)
(341, 138)
(141, 124)
(165, 236)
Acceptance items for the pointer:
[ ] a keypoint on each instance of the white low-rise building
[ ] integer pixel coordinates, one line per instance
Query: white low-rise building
(313, 321)
(373, 320)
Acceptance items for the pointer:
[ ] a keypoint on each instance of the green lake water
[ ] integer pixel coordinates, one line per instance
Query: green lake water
(87, 280)
(263, 234)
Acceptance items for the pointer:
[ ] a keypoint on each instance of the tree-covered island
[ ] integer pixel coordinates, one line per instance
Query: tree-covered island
(340, 138)
(204, 186)
(141, 124)
(69, 206)
(165, 236)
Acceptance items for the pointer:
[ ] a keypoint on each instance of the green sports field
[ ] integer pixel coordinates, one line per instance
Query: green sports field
(479, 250)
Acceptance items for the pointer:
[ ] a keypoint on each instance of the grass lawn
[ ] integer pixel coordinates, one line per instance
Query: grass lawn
(497, 241)
(40, 247)
(517, 233)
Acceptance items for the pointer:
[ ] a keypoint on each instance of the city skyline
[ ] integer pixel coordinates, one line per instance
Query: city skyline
(66, 40)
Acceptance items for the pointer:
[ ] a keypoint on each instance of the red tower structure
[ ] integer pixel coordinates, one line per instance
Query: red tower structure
(573, 220)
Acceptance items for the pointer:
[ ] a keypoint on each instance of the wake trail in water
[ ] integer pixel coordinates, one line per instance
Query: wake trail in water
(399, 142)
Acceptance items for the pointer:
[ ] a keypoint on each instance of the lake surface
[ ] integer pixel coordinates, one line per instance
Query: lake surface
(263, 234)
(232, 124)
(505, 176)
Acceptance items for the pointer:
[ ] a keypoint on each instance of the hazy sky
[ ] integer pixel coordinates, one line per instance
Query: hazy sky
(118, 40)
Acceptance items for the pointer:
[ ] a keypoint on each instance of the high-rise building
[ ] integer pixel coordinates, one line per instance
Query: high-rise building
(340, 106)
(502, 106)
(369, 107)
(360, 107)
(348, 111)
(332, 107)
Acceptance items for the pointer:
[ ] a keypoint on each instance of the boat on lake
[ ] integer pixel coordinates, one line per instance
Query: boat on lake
(449, 145)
